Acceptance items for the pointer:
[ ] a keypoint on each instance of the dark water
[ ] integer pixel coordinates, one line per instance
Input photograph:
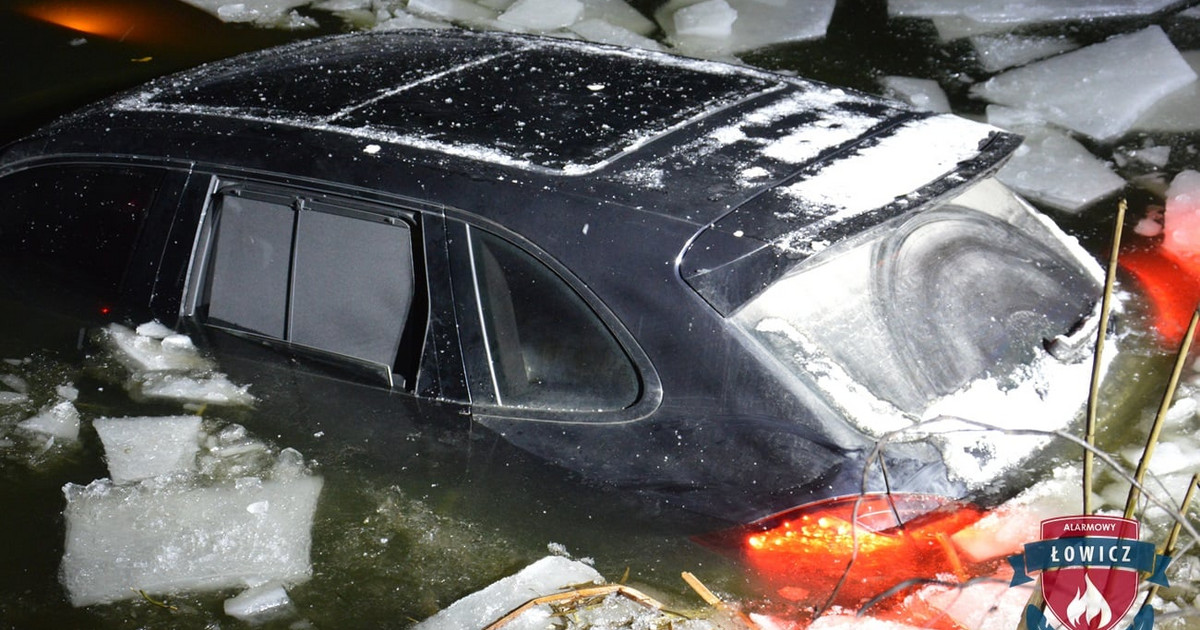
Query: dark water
(391, 547)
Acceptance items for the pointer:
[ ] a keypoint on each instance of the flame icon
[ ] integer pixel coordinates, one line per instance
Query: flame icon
(1089, 604)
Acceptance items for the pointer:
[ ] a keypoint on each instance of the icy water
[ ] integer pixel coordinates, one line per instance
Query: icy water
(393, 543)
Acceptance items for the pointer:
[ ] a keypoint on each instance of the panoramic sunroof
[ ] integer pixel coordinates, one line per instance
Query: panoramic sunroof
(523, 102)
(554, 110)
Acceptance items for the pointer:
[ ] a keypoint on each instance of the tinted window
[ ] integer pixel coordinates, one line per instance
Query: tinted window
(546, 348)
(74, 226)
(318, 276)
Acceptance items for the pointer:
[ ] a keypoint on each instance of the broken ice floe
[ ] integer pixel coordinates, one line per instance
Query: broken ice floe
(1037, 168)
(164, 524)
(1100, 90)
(723, 27)
(166, 365)
(57, 420)
(923, 94)
(141, 448)
(166, 536)
(960, 18)
(549, 575)
(1001, 52)
(1178, 111)
(272, 13)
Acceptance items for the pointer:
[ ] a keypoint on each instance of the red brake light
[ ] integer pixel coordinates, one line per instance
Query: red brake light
(878, 542)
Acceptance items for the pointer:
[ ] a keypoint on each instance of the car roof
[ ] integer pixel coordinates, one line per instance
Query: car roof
(685, 138)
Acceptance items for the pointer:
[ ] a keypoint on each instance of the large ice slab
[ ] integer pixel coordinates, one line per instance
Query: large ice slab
(542, 15)
(1052, 168)
(719, 27)
(549, 575)
(1100, 90)
(604, 32)
(1001, 52)
(163, 538)
(141, 448)
(1019, 12)
(1178, 111)
(620, 14)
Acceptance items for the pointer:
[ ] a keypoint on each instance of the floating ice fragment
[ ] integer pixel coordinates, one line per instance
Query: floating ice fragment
(12, 398)
(709, 18)
(1006, 529)
(1018, 12)
(60, 420)
(258, 602)
(402, 21)
(15, 383)
(542, 15)
(163, 538)
(619, 14)
(141, 448)
(549, 575)
(1100, 90)
(1001, 52)
(755, 25)
(154, 329)
(601, 31)
(1178, 111)
(453, 11)
(214, 389)
(1057, 171)
(145, 353)
(67, 392)
(923, 94)
(261, 11)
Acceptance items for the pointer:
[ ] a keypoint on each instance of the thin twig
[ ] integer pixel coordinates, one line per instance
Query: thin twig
(1173, 538)
(1097, 359)
(1160, 417)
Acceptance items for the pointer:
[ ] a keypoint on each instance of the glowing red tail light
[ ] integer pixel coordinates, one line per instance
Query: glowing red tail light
(850, 551)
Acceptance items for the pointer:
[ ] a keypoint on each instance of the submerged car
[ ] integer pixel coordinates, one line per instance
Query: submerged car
(729, 291)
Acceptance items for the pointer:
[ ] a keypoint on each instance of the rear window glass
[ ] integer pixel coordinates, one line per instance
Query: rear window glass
(74, 227)
(546, 348)
(321, 277)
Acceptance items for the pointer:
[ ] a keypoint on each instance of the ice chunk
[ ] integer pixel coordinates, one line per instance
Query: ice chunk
(596, 30)
(709, 18)
(1000, 52)
(402, 21)
(1017, 12)
(703, 31)
(923, 94)
(140, 448)
(67, 392)
(213, 388)
(1055, 170)
(1179, 110)
(1181, 221)
(985, 605)
(453, 11)
(549, 575)
(1006, 529)
(1100, 90)
(15, 383)
(12, 398)
(154, 329)
(542, 15)
(142, 353)
(163, 538)
(261, 11)
(619, 14)
(257, 602)
(60, 420)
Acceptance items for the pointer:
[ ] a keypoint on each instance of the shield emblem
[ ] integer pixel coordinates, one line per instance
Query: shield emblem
(1087, 589)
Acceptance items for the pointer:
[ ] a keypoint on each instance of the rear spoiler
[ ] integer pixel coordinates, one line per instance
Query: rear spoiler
(890, 173)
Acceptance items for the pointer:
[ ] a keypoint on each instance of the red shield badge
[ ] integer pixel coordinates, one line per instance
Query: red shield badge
(1090, 579)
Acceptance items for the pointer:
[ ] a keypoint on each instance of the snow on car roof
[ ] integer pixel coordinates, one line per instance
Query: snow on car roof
(530, 103)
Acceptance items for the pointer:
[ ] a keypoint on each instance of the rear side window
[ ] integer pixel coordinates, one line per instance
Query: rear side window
(334, 279)
(546, 348)
(74, 227)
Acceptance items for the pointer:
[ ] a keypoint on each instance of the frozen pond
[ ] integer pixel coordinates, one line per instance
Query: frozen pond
(251, 512)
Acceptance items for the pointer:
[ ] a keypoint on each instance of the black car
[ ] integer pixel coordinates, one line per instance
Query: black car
(730, 291)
